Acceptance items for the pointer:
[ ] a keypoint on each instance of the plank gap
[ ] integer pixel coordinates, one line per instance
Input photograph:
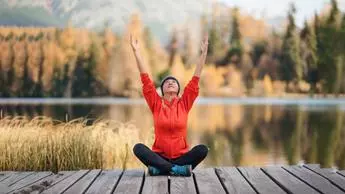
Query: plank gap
(45, 183)
(142, 183)
(220, 180)
(117, 182)
(76, 181)
(195, 184)
(256, 191)
(332, 182)
(338, 172)
(6, 177)
(92, 181)
(29, 174)
(169, 184)
(302, 180)
(65, 184)
(30, 183)
(276, 182)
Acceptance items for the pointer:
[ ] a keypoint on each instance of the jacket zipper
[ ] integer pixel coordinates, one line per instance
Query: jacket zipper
(170, 150)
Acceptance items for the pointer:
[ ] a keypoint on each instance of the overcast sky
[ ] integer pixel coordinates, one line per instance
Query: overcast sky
(274, 8)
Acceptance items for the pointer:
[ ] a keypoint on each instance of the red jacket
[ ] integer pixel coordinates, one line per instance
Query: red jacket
(170, 119)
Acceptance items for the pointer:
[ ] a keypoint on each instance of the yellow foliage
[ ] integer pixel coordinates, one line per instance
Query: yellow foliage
(6, 55)
(20, 54)
(211, 80)
(268, 87)
(35, 58)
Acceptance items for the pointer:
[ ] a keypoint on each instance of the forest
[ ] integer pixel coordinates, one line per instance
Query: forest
(245, 58)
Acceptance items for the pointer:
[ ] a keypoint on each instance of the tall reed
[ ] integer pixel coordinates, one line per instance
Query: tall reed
(44, 144)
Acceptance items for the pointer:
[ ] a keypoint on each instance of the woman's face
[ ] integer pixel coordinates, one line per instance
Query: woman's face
(170, 85)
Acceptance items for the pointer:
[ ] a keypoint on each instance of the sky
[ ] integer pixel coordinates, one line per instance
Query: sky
(276, 8)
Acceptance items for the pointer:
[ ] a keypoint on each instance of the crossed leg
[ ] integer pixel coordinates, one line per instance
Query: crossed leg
(193, 157)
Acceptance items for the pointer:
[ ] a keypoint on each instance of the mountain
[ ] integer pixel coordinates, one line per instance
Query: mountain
(277, 23)
(26, 15)
(160, 16)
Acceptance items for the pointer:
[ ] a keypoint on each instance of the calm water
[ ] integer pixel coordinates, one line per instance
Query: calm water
(244, 132)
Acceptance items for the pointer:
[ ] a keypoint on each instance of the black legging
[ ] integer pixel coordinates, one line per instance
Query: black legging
(150, 158)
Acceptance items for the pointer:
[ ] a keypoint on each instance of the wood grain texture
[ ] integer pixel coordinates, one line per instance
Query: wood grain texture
(287, 181)
(105, 182)
(30, 180)
(207, 181)
(260, 181)
(181, 185)
(342, 172)
(233, 181)
(313, 179)
(130, 181)
(155, 185)
(45, 183)
(66, 183)
(84, 183)
(15, 178)
(329, 174)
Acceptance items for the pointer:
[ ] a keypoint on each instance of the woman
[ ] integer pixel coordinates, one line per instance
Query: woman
(170, 152)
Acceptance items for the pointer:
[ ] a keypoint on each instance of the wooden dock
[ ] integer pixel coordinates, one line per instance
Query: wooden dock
(273, 179)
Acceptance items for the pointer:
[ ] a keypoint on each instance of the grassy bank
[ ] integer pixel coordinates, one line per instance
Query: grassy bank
(44, 144)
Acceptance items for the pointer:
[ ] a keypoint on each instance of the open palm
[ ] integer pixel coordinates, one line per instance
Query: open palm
(204, 44)
(134, 43)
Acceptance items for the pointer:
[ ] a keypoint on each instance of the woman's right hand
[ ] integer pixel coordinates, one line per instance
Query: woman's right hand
(135, 47)
(134, 43)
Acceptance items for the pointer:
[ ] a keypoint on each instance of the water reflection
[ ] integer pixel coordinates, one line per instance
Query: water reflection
(237, 134)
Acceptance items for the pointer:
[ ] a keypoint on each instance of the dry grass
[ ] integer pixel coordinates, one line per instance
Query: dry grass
(44, 144)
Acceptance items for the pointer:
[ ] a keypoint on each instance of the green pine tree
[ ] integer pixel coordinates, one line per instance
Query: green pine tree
(334, 13)
(310, 55)
(329, 64)
(235, 52)
(259, 48)
(291, 68)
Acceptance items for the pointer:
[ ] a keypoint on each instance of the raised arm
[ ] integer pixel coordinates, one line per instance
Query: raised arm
(149, 90)
(138, 57)
(191, 91)
(202, 59)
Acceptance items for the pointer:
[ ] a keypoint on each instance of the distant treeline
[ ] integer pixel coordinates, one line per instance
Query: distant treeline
(71, 62)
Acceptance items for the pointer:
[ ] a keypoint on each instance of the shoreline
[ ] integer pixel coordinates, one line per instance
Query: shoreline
(286, 99)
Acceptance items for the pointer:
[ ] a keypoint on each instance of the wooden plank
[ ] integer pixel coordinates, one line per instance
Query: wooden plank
(105, 182)
(46, 182)
(260, 181)
(287, 181)
(15, 178)
(342, 172)
(83, 184)
(329, 174)
(314, 180)
(7, 175)
(4, 173)
(155, 184)
(182, 185)
(207, 181)
(29, 180)
(233, 181)
(130, 181)
(66, 183)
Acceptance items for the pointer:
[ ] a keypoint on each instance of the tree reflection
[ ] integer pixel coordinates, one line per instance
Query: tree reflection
(236, 134)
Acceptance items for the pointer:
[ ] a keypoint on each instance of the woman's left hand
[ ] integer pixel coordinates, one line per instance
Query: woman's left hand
(204, 44)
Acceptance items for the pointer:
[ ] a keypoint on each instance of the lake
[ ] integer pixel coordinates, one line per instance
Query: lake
(238, 131)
